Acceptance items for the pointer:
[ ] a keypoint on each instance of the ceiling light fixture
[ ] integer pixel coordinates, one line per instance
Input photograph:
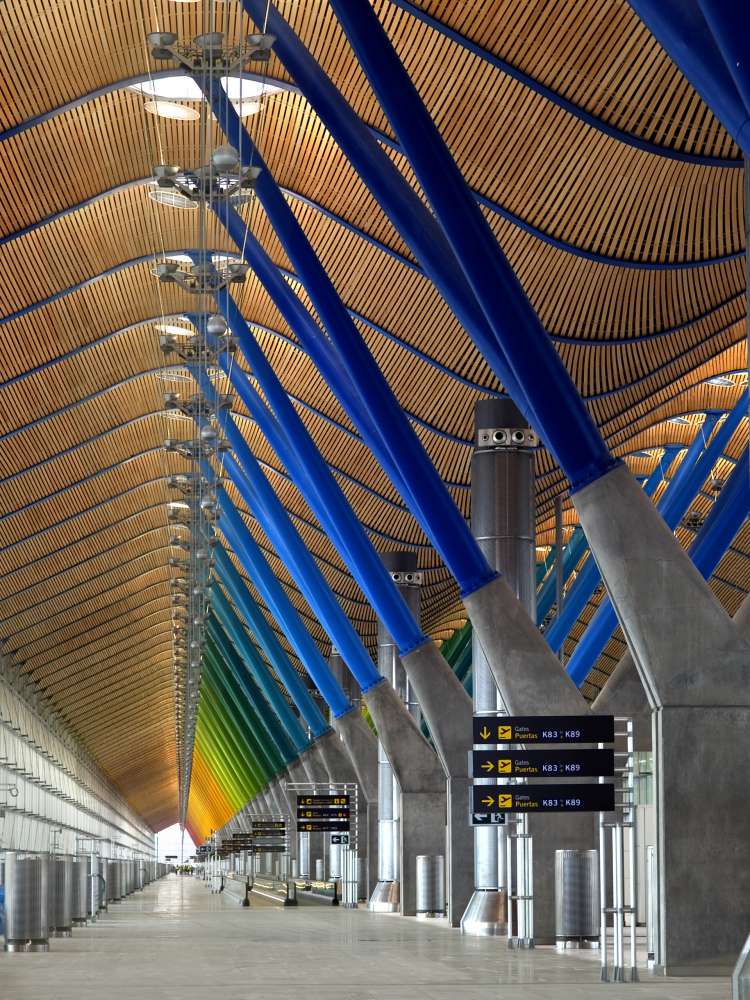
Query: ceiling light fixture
(175, 331)
(184, 88)
(172, 199)
(168, 109)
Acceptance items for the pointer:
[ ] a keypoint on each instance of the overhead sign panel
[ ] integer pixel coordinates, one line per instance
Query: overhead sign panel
(323, 826)
(550, 763)
(324, 813)
(322, 800)
(544, 729)
(543, 798)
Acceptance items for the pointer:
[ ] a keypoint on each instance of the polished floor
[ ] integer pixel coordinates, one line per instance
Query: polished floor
(176, 940)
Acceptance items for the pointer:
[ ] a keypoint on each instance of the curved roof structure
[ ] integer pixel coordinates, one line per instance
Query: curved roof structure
(613, 190)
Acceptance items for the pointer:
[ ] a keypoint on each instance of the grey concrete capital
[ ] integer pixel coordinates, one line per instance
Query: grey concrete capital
(413, 760)
(362, 746)
(529, 676)
(687, 649)
(445, 704)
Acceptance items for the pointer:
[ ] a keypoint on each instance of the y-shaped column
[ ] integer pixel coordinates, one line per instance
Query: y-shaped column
(697, 678)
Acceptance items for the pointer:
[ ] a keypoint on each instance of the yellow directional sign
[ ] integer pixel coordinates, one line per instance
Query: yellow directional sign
(505, 802)
(485, 733)
(543, 762)
(488, 800)
(504, 733)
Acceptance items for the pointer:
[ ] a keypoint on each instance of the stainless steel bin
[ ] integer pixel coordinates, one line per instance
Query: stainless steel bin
(576, 899)
(430, 885)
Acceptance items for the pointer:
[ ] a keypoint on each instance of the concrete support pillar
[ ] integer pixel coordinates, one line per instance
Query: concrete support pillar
(362, 747)
(623, 694)
(387, 894)
(314, 764)
(421, 781)
(341, 769)
(503, 522)
(298, 843)
(694, 663)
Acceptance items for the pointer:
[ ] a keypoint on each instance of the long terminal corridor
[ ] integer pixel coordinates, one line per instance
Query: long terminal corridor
(177, 941)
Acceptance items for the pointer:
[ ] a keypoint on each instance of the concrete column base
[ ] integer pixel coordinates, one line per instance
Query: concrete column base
(702, 795)
(422, 829)
(459, 851)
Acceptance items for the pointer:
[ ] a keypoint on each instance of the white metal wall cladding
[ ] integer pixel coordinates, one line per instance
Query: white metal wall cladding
(51, 796)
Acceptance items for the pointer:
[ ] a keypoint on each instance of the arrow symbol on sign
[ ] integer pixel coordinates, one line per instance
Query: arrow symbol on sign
(487, 766)
(488, 801)
(484, 733)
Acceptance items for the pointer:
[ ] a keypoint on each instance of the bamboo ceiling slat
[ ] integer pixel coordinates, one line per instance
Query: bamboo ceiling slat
(83, 537)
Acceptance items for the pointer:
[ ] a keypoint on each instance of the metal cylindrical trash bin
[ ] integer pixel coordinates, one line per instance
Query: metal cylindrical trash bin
(430, 885)
(26, 902)
(114, 881)
(319, 870)
(576, 899)
(81, 894)
(60, 895)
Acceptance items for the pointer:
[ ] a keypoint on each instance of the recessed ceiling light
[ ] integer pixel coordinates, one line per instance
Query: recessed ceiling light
(172, 198)
(168, 109)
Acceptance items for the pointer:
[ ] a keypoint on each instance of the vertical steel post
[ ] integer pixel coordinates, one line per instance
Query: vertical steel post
(503, 522)
(559, 570)
(387, 893)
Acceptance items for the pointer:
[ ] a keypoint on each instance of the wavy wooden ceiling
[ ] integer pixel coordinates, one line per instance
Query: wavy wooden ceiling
(615, 193)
